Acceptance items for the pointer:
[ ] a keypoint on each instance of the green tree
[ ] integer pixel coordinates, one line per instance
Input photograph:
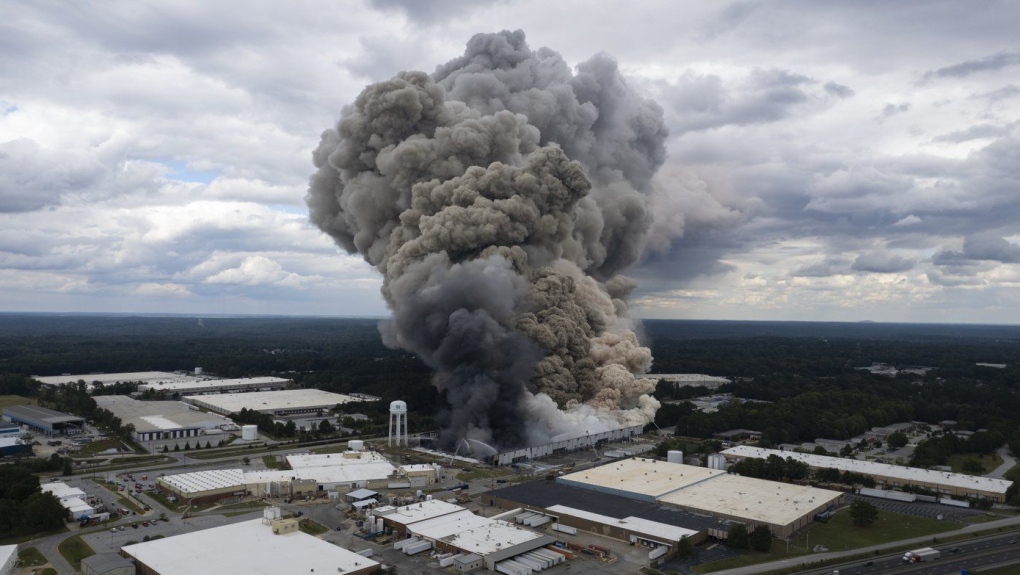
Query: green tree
(187, 445)
(760, 539)
(166, 449)
(897, 439)
(684, 548)
(863, 513)
(67, 468)
(973, 466)
(737, 536)
(325, 427)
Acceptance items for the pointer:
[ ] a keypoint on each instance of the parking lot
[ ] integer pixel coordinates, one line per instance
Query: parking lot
(921, 509)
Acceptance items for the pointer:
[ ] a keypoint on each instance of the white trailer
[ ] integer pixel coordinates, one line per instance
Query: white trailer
(564, 528)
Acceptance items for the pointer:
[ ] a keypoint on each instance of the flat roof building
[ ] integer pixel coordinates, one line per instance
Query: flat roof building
(206, 386)
(160, 420)
(272, 402)
(252, 547)
(8, 558)
(784, 508)
(43, 420)
(891, 476)
(638, 478)
(140, 377)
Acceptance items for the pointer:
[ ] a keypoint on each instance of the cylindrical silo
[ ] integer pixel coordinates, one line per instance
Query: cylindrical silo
(356, 445)
(249, 432)
(675, 456)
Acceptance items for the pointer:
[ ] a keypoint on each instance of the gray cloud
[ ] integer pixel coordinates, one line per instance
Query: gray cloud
(431, 11)
(977, 131)
(882, 263)
(891, 109)
(838, 90)
(963, 69)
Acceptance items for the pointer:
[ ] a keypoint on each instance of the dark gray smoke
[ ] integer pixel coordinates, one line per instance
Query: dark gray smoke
(501, 198)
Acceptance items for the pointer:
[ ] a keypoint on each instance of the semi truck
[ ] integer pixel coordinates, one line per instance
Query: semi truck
(921, 555)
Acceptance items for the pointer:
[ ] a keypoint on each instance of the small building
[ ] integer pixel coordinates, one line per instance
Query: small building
(8, 558)
(9, 430)
(14, 446)
(467, 563)
(107, 564)
(43, 420)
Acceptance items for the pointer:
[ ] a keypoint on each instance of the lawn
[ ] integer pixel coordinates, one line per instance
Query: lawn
(74, 550)
(331, 449)
(272, 462)
(840, 534)
(130, 504)
(30, 557)
(312, 527)
(988, 462)
(12, 400)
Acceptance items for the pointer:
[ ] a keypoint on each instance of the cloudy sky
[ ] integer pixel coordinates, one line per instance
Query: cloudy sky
(839, 161)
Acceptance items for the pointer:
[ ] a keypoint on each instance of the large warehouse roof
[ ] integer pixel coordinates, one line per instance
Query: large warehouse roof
(634, 524)
(300, 460)
(446, 525)
(750, 498)
(905, 474)
(641, 477)
(40, 416)
(249, 547)
(326, 474)
(200, 481)
(60, 490)
(108, 378)
(494, 536)
(415, 512)
(204, 385)
(271, 401)
(159, 415)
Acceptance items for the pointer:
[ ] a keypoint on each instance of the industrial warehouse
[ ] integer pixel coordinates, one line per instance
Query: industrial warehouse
(286, 402)
(42, 420)
(782, 507)
(92, 379)
(160, 420)
(310, 475)
(266, 546)
(890, 476)
(465, 538)
(207, 386)
(564, 444)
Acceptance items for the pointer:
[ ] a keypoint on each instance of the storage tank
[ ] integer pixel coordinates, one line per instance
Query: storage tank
(249, 432)
(675, 456)
(716, 461)
(356, 445)
(198, 371)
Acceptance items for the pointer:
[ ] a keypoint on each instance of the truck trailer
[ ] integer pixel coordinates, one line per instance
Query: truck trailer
(921, 555)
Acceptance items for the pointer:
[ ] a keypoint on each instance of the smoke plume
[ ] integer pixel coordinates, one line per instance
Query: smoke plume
(501, 198)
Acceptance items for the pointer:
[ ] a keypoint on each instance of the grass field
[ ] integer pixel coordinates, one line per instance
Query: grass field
(74, 550)
(101, 445)
(312, 527)
(840, 534)
(11, 400)
(272, 462)
(988, 462)
(30, 557)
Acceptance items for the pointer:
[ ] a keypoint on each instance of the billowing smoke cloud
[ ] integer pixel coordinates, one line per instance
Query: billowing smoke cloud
(501, 198)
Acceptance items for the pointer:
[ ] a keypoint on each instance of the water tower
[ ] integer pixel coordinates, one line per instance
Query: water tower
(398, 412)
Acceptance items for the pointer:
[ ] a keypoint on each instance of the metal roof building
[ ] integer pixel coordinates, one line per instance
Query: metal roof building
(249, 547)
(203, 386)
(158, 420)
(891, 476)
(8, 558)
(43, 420)
(283, 402)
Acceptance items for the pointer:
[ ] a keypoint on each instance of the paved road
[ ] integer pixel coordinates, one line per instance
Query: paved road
(1007, 463)
(920, 541)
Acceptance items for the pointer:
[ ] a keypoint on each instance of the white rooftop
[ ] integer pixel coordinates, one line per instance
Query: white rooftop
(199, 481)
(107, 378)
(409, 514)
(634, 524)
(904, 474)
(270, 401)
(642, 476)
(160, 415)
(326, 474)
(751, 498)
(494, 536)
(7, 554)
(415, 467)
(301, 460)
(446, 525)
(249, 547)
(60, 490)
(198, 385)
